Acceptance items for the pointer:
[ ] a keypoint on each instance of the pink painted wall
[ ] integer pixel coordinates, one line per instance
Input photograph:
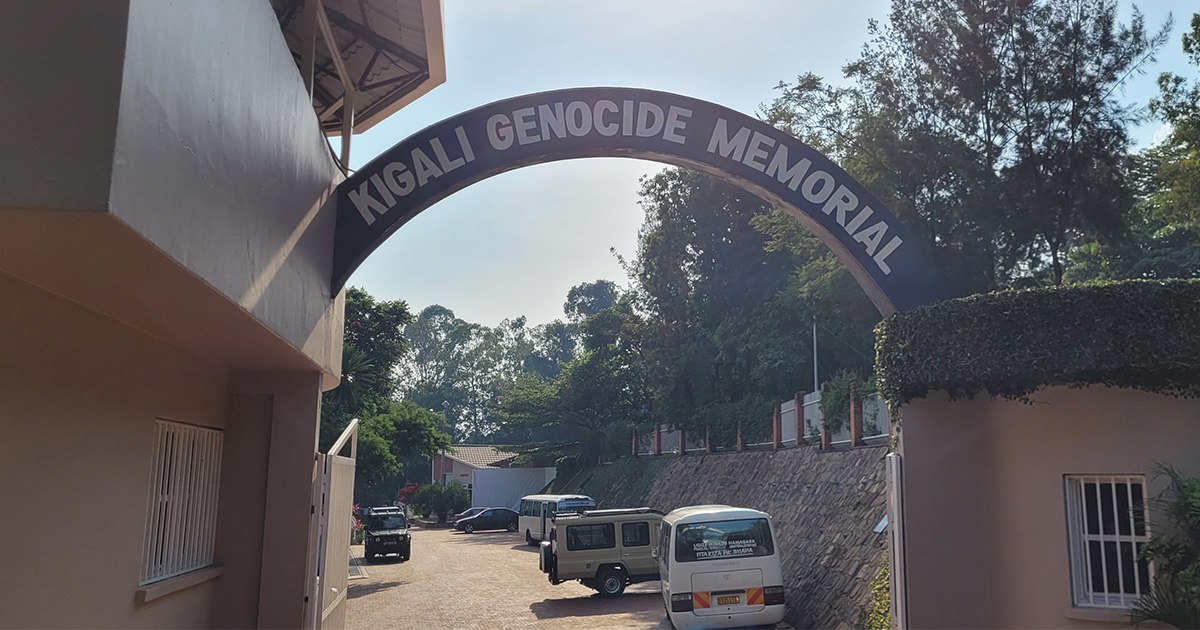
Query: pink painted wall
(985, 516)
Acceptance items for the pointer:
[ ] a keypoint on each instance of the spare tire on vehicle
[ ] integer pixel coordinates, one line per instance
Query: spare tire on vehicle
(545, 558)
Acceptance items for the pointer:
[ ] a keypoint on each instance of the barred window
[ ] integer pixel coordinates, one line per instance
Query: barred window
(181, 513)
(1107, 528)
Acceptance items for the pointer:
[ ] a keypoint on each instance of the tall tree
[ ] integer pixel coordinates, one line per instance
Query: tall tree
(998, 124)
(389, 431)
(600, 393)
(1177, 198)
(723, 340)
(589, 298)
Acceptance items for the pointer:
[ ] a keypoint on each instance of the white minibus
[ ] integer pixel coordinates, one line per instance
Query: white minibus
(537, 512)
(719, 567)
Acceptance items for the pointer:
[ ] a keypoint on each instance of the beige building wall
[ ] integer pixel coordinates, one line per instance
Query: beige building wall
(166, 234)
(220, 163)
(184, 131)
(984, 508)
(79, 396)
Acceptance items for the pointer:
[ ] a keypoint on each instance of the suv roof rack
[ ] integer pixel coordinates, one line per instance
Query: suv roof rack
(606, 512)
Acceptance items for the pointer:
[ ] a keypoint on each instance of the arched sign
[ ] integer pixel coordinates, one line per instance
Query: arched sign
(625, 122)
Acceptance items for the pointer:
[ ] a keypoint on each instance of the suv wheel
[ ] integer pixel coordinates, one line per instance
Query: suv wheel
(611, 582)
(512, 527)
(469, 528)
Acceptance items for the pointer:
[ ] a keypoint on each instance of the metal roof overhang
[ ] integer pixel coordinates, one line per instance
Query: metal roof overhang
(389, 53)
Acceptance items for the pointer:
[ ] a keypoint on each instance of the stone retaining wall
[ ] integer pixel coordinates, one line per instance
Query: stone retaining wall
(826, 506)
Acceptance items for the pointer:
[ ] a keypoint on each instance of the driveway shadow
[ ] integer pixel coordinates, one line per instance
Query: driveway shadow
(648, 605)
(485, 538)
(362, 590)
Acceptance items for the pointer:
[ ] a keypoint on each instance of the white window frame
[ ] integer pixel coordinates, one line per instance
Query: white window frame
(181, 509)
(1079, 539)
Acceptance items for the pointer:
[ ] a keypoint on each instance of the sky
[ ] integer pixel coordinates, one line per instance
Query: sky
(514, 244)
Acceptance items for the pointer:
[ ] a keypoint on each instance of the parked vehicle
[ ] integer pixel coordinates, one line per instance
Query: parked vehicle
(490, 518)
(720, 567)
(468, 512)
(385, 532)
(603, 549)
(538, 510)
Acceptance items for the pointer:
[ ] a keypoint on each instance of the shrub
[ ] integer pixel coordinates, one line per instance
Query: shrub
(1175, 598)
(877, 613)
(442, 499)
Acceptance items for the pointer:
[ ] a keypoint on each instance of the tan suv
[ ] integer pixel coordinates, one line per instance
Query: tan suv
(603, 549)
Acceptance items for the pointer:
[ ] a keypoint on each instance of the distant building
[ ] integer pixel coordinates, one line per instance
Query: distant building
(489, 474)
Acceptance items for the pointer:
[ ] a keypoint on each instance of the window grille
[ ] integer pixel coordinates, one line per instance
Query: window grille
(1107, 527)
(181, 514)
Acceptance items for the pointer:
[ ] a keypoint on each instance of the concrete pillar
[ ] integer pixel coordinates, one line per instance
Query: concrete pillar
(657, 438)
(799, 402)
(826, 438)
(291, 472)
(707, 441)
(739, 437)
(856, 418)
(777, 428)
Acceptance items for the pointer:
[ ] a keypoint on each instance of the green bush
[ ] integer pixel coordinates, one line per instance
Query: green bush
(1175, 598)
(1135, 334)
(442, 499)
(877, 613)
(835, 398)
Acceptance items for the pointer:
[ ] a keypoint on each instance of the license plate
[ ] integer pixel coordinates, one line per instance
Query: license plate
(728, 600)
(391, 542)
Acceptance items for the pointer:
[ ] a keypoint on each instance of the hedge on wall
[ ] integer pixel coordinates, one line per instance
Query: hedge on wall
(1135, 334)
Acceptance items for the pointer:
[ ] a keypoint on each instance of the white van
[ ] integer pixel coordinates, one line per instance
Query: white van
(719, 567)
(537, 512)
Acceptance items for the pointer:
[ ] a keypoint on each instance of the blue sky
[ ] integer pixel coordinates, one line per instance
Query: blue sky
(515, 244)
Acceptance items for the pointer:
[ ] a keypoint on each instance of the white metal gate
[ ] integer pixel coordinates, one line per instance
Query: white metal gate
(329, 553)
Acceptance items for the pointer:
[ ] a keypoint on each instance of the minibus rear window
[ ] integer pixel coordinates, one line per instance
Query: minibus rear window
(716, 540)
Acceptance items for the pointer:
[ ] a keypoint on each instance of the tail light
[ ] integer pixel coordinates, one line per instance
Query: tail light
(772, 595)
(681, 602)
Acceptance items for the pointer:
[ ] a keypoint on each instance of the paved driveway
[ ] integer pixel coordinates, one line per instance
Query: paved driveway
(486, 580)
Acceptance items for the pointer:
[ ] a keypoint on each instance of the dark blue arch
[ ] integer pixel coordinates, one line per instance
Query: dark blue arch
(894, 270)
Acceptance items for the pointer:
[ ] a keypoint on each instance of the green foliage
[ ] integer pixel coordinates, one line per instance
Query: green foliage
(728, 290)
(994, 129)
(567, 467)
(1177, 196)
(374, 329)
(1175, 598)
(877, 613)
(389, 431)
(595, 393)
(835, 398)
(405, 429)
(1136, 334)
(441, 499)
(589, 298)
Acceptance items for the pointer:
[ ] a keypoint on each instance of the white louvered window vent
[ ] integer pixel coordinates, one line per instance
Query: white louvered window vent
(1107, 528)
(181, 514)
